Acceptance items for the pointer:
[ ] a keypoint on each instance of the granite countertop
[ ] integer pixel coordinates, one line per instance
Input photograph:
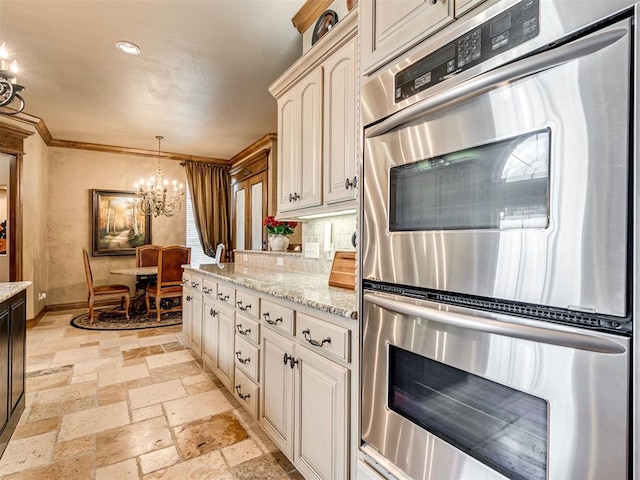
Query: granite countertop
(8, 290)
(304, 288)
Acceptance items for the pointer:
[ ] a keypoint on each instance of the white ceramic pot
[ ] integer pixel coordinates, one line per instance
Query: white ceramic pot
(279, 243)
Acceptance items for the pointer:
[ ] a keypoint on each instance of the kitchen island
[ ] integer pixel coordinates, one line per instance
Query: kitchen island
(285, 344)
(13, 328)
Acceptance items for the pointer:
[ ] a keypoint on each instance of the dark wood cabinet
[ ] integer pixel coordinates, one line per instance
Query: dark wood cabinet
(13, 329)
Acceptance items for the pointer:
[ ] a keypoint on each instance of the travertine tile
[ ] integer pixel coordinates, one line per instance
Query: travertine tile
(74, 355)
(126, 470)
(154, 394)
(193, 379)
(52, 380)
(75, 468)
(36, 428)
(165, 457)
(146, 413)
(213, 433)
(85, 368)
(112, 394)
(27, 453)
(78, 446)
(172, 372)
(199, 388)
(210, 466)
(264, 468)
(121, 375)
(180, 356)
(157, 340)
(141, 352)
(195, 407)
(132, 440)
(241, 452)
(93, 420)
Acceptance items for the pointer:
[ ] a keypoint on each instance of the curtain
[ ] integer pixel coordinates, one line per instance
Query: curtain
(209, 185)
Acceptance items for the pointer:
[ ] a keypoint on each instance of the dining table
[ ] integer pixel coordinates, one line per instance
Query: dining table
(138, 305)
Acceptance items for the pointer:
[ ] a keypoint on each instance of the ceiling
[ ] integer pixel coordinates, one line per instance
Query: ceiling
(201, 80)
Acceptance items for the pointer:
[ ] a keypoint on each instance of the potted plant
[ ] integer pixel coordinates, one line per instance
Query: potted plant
(278, 232)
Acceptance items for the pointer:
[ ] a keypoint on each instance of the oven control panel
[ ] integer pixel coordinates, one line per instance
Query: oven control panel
(499, 34)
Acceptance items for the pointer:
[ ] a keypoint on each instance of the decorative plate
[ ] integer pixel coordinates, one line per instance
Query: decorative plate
(326, 21)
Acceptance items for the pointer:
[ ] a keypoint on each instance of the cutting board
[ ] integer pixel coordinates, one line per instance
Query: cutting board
(343, 270)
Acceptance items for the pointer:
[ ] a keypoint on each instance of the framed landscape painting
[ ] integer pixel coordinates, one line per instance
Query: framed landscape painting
(118, 227)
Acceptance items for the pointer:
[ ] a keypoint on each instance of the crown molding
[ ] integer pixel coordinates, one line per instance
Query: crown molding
(309, 13)
(44, 133)
(263, 143)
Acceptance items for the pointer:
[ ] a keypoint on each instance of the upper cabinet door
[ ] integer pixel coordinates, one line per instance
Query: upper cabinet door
(339, 156)
(310, 166)
(288, 149)
(389, 27)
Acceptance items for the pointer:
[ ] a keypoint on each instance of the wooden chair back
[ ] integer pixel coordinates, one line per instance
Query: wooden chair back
(147, 255)
(87, 270)
(170, 261)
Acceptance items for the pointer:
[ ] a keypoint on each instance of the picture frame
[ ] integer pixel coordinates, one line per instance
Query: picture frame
(117, 225)
(325, 22)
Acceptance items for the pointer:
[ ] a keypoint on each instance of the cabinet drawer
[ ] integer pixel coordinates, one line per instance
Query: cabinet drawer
(195, 283)
(247, 328)
(246, 392)
(247, 303)
(186, 279)
(209, 288)
(321, 335)
(226, 294)
(247, 358)
(277, 316)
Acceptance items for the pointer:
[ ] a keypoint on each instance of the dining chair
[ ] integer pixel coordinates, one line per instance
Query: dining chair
(104, 291)
(146, 256)
(169, 281)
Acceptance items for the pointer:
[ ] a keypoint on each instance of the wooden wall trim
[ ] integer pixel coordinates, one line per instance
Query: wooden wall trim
(263, 143)
(309, 13)
(42, 129)
(96, 147)
(35, 320)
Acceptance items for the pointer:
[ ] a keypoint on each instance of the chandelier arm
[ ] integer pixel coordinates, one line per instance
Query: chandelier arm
(19, 110)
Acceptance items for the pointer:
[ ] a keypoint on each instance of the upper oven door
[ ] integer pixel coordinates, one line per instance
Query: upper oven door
(511, 185)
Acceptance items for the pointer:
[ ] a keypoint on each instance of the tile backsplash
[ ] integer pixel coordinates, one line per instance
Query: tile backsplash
(330, 234)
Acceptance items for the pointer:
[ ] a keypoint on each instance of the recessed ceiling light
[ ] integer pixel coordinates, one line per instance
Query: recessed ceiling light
(128, 48)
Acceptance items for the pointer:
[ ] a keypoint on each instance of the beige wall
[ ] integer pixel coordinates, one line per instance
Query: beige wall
(35, 185)
(72, 175)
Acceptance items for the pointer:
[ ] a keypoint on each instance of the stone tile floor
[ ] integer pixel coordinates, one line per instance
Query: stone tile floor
(136, 404)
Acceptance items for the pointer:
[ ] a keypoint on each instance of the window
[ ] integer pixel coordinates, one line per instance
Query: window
(197, 255)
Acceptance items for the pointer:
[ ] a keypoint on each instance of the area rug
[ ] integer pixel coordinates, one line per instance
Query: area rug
(113, 319)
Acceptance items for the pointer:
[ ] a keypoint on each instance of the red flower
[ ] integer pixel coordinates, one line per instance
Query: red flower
(275, 227)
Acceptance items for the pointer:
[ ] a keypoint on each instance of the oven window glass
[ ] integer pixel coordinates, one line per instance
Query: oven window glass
(503, 428)
(500, 185)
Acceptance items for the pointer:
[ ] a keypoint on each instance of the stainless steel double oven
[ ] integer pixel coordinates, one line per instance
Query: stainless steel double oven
(498, 248)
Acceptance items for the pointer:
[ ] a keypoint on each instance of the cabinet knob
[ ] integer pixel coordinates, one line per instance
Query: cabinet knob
(350, 183)
(213, 312)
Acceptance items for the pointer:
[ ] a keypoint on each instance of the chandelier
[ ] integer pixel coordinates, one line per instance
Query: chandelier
(9, 88)
(155, 197)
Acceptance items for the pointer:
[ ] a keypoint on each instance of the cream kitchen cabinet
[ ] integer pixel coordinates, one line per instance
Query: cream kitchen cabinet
(300, 144)
(192, 311)
(304, 406)
(339, 148)
(389, 27)
(463, 6)
(317, 125)
(186, 306)
(224, 345)
(210, 312)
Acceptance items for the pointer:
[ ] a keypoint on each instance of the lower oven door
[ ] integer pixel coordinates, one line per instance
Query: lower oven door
(449, 392)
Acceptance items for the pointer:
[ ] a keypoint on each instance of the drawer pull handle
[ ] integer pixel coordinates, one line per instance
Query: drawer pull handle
(222, 297)
(213, 313)
(291, 360)
(244, 361)
(313, 342)
(243, 397)
(244, 309)
(269, 321)
(242, 332)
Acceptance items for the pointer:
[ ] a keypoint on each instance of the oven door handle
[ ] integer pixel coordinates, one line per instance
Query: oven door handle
(582, 341)
(496, 78)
